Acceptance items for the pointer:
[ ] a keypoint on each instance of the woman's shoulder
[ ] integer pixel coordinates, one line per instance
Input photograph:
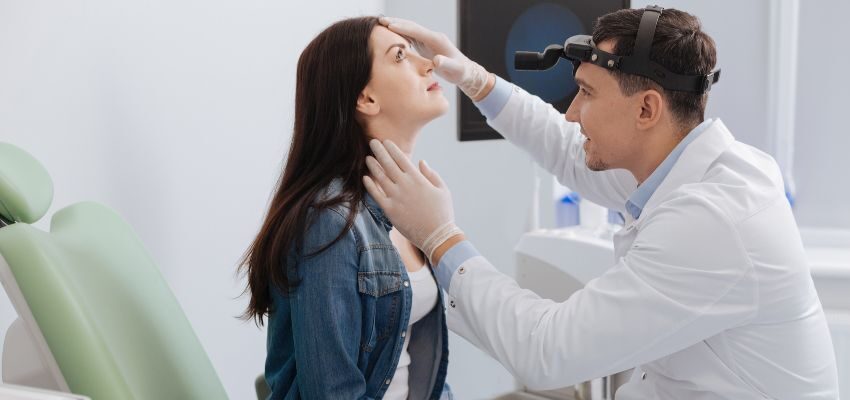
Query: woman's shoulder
(332, 213)
(328, 218)
(365, 212)
(326, 225)
(333, 205)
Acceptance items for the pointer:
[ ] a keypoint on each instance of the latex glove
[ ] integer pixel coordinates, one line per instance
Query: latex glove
(416, 200)
(449, 62)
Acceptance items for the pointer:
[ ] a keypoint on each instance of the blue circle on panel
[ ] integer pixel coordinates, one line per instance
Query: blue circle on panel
(538, 27)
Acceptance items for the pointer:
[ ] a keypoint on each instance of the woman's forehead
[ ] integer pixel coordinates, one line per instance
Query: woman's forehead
(382, 38)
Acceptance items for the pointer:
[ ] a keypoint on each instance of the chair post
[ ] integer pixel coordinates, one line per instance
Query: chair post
(263, 390)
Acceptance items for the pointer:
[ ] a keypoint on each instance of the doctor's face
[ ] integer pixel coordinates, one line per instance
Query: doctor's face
(402, 81)
(607, 117)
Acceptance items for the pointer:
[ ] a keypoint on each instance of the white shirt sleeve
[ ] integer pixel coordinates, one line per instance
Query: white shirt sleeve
(655, 301)
(556, 144)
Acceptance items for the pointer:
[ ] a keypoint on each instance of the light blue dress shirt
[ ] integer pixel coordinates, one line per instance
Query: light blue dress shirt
(638, 198)
(490, 106)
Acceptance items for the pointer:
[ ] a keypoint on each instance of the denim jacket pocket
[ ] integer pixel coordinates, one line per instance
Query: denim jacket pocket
(382, 294)
(378, 283)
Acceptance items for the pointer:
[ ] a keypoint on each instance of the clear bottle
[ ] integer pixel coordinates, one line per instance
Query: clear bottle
(567, 210)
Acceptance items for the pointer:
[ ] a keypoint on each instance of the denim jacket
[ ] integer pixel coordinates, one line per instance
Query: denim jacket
(339, 333)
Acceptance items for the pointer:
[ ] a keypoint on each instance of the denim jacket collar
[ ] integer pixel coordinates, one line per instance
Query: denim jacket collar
(371, 204)
(377, 211)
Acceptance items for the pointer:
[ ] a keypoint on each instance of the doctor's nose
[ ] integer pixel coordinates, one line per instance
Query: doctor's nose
(572, 114)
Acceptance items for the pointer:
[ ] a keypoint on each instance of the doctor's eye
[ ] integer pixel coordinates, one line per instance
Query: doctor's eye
(399, 55)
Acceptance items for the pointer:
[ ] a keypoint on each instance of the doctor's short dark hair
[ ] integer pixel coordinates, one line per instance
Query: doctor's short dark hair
(680, 45)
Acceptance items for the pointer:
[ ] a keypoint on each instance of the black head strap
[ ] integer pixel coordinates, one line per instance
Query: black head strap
(581, 48)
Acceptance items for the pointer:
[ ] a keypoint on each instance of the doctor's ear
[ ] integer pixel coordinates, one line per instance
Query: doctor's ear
(367, 104)
(651, 104)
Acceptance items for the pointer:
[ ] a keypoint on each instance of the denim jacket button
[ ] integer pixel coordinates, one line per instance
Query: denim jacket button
(387, 382)
(461, 270)
(403, 334)
(406, 284)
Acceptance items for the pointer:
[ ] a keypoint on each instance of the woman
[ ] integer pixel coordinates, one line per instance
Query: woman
(353, 309)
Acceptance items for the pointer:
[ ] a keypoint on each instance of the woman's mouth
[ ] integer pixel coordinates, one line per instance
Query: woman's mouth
(434, 86)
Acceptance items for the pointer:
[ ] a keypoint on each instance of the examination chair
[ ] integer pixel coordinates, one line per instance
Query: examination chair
(95, 316)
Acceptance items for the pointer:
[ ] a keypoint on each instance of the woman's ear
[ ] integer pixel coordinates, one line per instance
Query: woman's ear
(366, 103)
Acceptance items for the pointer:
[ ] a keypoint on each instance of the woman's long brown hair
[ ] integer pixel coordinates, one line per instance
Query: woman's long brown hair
(327, 143)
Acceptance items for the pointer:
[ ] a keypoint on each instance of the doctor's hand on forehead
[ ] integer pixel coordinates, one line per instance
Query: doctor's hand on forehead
(415, 199)
(449, 62)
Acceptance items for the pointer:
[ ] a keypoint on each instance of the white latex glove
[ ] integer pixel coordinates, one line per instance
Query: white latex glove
(449, 62)
(416, 200)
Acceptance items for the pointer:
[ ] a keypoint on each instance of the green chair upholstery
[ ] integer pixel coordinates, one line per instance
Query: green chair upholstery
(111, 322)
(25, 186)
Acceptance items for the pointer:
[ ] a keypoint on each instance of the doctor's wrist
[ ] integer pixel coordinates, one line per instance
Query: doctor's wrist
(445, 247)
(488, 87)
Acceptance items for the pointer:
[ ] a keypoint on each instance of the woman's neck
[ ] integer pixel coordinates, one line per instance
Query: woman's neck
(403, 136)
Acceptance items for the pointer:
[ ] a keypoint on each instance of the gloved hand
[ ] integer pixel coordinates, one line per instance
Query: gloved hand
(416, 200)
(449, 62)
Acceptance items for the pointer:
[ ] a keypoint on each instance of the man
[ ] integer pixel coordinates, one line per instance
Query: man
(710, 295)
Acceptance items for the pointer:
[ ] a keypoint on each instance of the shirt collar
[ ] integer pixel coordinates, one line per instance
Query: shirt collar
(637, 200)
(376, 211)
(335, 188)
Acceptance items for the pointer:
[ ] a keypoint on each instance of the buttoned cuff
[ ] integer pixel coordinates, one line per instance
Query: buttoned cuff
(492, 104)
(452, 259)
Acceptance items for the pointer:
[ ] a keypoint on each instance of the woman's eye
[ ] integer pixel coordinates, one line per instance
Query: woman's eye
(583, 91)
(400, 55)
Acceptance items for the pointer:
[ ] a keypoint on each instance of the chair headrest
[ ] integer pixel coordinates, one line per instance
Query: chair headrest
(26, 189)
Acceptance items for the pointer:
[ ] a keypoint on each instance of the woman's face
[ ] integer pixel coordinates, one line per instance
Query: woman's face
(402, 85)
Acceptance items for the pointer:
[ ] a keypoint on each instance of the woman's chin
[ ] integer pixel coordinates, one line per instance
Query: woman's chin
(437, 114)
(442, 107)
(428, 111)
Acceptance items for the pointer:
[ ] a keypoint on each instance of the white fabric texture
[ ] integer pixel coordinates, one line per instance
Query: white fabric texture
(709, 295)
(424, 290)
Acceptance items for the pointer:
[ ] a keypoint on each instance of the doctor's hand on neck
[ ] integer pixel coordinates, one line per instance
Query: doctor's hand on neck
(415, 199)
(449, 62)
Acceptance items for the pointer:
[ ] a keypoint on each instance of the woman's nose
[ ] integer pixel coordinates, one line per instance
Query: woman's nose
(430, 67)
(426, 66)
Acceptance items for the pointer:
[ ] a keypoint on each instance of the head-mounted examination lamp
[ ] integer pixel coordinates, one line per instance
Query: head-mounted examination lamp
(580, 48)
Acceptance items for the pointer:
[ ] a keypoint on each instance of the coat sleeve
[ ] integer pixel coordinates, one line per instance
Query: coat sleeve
(327, 314)
(557, 145)
(686, 278)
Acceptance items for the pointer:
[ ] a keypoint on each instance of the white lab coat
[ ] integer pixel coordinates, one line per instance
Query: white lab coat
(710, 295)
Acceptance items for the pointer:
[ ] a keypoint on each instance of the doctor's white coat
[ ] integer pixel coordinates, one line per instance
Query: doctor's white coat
(709, 296)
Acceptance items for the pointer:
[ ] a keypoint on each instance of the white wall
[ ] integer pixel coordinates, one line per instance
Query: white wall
(175, 113)
(822, 134)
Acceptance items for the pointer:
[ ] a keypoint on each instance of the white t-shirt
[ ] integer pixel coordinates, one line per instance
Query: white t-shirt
(424, 299)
